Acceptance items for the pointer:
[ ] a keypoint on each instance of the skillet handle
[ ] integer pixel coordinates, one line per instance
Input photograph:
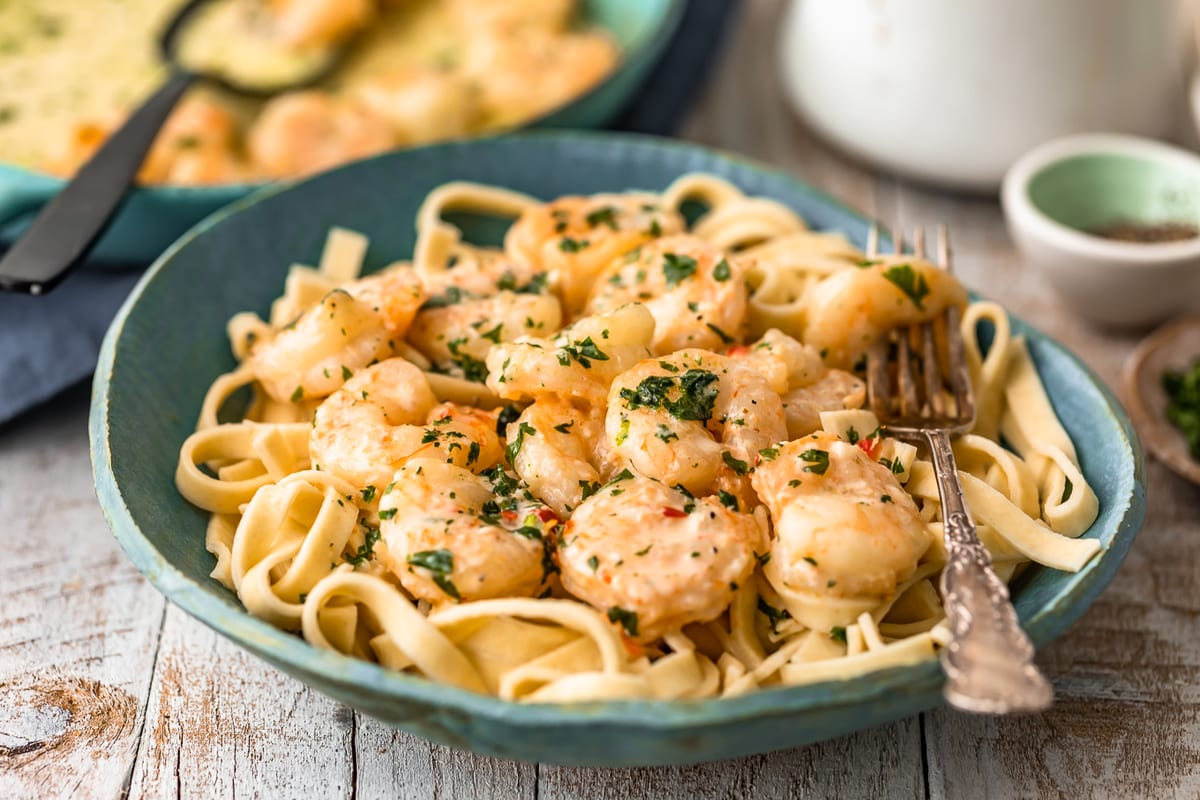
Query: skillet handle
(65, 230)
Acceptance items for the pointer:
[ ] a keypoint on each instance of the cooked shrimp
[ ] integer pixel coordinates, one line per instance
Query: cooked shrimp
(844, 527)
(575, 238)
(696, 293)
(798, 374)
(460, 335)
(197, 145)
(305, 132)
(464, 436)
(849, 310)
(665, 414)
(490, 16)
(305, 23)
(833, 391)
(372, 423)
(654, 557)
(480, 273)
(580, 362)
(558, 449)
(422, 104)
(454, 535)
(523, 76)
(350, 328)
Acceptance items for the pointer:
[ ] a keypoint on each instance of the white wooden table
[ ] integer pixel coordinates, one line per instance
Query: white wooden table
(107, 691)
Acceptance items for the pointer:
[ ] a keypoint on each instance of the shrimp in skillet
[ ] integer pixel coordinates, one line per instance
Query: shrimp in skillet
(845, 529)
(696, 293)
(655, 558)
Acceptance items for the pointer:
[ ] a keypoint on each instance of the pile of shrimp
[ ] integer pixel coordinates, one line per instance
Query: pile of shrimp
(517, 59)
(582, 415)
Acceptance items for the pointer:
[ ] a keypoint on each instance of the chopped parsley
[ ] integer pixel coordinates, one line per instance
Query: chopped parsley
(346, 373)
(696, 389)
(440, 564)
(838, 634)
(366, 550)
(514, 447)
(721, 271)
(885, 498)
(816, 461)
(368, 493)
(725, 337)
(569, 245)
(594, 563)
(588, 488)
(677, 267)
(494, 334)
(769, 453)
(584, 351)
(452, 296)
(852, 435)
(774, 615)
(472, 368)
(665, 433)
(564, 427)
(728, 500)
(296, 395)
(387, 513)
(626, 619)
(738, 466)
(909, 281)
(605, 215)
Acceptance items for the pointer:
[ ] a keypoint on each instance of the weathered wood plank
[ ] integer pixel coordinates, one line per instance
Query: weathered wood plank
(78, 624)
(395, 764)
(882, 762)
(222, 723)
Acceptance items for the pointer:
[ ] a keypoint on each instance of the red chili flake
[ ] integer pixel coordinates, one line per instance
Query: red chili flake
(868, 446)
(673, 512)
(508, 515)
(739, 350)
(546, 515)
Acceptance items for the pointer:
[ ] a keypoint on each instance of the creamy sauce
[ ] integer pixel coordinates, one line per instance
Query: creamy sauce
(65, 61)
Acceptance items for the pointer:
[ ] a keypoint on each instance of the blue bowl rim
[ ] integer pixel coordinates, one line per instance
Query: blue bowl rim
(650, 47)
(297, 656)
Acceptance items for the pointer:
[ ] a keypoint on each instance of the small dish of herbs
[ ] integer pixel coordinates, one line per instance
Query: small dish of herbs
(1162, 394)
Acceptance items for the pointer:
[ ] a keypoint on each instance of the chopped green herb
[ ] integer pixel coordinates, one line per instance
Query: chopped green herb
(774, 615)
(494, 334)
(677, 267)
(368, 493)
(296, 395)
(885, 498)
(811, 560)
(696, 388)
(569, 245)
(817, 461)
(721, 271)
(589, 488)
(738, 466)
(852, 435)
(728, 500)
(564, 427)
(440, 563)
(725, 337)
(644, 550)
(514, 447)
(605, 215)
(909, 281)
(594, 563)
(584, 351)
(387, 513)
(665, 433)
(346, 373)
(627, 619)
(366, 550)
(838, 634)
(769, 453)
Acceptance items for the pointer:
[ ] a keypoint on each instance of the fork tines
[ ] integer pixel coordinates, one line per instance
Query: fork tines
(931, 400)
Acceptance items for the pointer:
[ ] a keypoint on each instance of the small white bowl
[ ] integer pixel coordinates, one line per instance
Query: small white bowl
(1060, 189)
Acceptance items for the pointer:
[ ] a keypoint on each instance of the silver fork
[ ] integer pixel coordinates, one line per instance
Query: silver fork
(988, 660)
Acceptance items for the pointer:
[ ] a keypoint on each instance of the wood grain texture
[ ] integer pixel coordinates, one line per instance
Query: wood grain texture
(395, 764)
(78, 624)
(222, 723)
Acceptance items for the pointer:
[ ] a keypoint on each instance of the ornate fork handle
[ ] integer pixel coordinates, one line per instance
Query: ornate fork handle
(989, 659)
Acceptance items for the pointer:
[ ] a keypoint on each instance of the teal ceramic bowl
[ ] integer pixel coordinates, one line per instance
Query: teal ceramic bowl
(168, 343)
(155, 216)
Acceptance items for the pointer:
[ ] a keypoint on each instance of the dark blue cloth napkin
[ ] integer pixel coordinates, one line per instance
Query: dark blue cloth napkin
(49, 343)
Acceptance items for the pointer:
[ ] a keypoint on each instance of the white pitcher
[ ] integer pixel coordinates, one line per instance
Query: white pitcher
(953, 91)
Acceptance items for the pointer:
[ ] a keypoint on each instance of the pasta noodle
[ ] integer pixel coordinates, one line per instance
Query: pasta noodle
(608, 460)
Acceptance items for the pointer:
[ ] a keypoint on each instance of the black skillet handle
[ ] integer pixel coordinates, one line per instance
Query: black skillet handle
(65, 230)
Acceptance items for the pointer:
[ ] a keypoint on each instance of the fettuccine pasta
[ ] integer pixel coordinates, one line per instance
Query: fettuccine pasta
(623, 456)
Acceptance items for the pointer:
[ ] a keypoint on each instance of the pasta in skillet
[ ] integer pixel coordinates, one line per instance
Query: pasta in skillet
(624, 456)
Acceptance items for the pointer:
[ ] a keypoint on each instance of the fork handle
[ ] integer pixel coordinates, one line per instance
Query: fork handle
(989, 659)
